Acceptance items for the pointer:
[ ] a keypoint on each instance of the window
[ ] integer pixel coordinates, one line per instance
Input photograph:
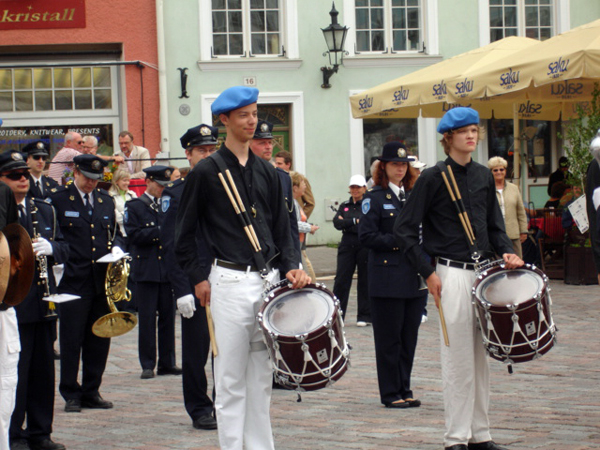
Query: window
(530, 18)
(55, 89)
(246, 28)
(388, 26)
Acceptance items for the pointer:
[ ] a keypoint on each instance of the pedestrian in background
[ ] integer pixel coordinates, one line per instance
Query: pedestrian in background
(304, 227)
(351, 253)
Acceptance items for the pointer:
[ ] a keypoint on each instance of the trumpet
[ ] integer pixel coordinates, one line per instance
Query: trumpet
(42, 262)
(116, 322)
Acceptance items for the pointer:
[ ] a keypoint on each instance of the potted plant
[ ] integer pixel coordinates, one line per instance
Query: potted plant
(579, 132)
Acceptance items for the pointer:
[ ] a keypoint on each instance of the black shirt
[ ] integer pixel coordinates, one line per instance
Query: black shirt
(204, 201)
(350, 213)
(443, 234)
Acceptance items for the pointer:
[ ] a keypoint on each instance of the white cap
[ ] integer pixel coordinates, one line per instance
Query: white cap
(416, 163)
(357, 180)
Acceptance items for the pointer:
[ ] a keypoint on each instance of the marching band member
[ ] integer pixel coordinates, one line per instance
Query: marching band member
(36, 387)
(397, 301)
(149, 270)
(199, 142)
(243, 374)
(40, 186)
(86, 216)
(465, 372)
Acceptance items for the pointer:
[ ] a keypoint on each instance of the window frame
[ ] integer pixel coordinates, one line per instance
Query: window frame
(288, 34)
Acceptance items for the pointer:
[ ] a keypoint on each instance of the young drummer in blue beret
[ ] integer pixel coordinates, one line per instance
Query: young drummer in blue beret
(234, 288)
(465, 372)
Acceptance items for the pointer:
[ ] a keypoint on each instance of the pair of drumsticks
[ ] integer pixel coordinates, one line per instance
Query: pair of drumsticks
(240, 210)
(466, 223)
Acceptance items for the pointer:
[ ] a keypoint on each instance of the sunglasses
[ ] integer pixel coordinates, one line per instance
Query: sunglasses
(80, 142)
(38, 157)
(15, 176)
(498, 170)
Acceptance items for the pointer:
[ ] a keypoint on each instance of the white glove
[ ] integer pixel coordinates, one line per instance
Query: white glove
(117, 252)
(186, 305)
(42, 247)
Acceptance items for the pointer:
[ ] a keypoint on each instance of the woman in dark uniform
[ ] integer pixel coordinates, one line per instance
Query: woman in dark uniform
(351, 254)
(397, 301)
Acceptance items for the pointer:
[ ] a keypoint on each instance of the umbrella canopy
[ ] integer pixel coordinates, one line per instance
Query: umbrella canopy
(426, 92)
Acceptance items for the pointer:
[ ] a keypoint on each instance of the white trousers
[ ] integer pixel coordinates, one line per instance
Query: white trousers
(465, 370)
(243, 372)
(10, 346)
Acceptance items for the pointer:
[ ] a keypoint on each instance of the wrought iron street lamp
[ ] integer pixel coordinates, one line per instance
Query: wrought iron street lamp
(335, 37)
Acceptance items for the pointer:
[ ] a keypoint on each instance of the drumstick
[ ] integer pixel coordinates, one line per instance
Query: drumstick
(443, 322)
(211, 331)
(242, 208)
(239, 213)
(462, 205)
(460, 216)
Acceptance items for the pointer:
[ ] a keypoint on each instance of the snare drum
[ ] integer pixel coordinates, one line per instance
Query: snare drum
(513, 311)
(304, 334)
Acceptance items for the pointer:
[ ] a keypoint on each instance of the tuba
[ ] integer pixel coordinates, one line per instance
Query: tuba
(116, 323)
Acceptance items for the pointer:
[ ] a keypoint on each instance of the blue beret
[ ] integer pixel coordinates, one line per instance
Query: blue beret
(91, 166)
(458, 118)
(234, 98)
(160, 174)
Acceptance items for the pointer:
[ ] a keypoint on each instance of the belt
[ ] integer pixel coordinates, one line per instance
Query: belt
(239, 267)
(456, 264)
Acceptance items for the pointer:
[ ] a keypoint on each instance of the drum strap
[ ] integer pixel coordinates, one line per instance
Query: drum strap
(460, 209)
(242, 214)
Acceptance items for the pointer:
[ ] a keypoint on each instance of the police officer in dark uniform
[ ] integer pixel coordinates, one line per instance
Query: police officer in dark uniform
(40, 186)
(198, 142)
(397, 301)
(351, 253)
(86, 216)
(35, 388)
(262, 146)
(149, 270)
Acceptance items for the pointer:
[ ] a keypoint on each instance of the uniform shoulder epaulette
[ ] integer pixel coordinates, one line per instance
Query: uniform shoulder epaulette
(375, 188)
(41, 200)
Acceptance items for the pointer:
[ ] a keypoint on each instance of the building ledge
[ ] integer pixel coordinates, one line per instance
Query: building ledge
(249, 64)
(379, 61)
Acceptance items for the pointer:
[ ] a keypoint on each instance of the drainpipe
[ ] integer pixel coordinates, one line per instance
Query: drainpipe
(162, 80)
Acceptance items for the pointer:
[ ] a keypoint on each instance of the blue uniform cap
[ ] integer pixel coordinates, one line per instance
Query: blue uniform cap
(234, 98)
(91, 166)
(12, 160)
(458, 118)
(201, 135)
(160, 174)
(394, 151)
(264, 130)
(35, 148)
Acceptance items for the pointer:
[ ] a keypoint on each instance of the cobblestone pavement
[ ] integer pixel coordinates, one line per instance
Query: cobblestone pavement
(552, 403)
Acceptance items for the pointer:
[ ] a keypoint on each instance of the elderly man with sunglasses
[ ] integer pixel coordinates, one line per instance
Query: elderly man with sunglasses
(64, 158)
(40, 186)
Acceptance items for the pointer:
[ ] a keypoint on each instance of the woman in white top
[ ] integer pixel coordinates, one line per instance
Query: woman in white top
(121, 193)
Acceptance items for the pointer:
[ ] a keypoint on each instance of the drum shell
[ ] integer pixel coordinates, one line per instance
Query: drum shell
(497, 322)
(331, 360)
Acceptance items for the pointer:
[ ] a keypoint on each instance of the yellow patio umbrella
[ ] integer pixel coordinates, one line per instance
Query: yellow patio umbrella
(426, 92)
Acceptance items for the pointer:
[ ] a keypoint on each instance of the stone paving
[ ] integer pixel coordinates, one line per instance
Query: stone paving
(552, 403)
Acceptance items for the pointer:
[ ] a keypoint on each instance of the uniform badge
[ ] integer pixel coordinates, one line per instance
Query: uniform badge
(388, 196)
(126, 216)
(205, 131)
(72, 198)
(401, 153)
(388, 206)
(165, 202)
(366, 205)
(99, 200)
(16, 156)
(96, 165)
(168, 173)
(264, 127)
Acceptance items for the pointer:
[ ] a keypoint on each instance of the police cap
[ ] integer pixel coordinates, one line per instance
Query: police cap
(12, 160)
(201, 135)
(90, 165)
(35, 148)
(263, 130)
(394, 151)
(234, 98)
(160, 174)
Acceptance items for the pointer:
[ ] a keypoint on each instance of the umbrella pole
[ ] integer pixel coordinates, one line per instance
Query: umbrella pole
(517, 144)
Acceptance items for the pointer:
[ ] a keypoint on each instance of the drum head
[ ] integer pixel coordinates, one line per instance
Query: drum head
(298, 311)
(510, 287)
